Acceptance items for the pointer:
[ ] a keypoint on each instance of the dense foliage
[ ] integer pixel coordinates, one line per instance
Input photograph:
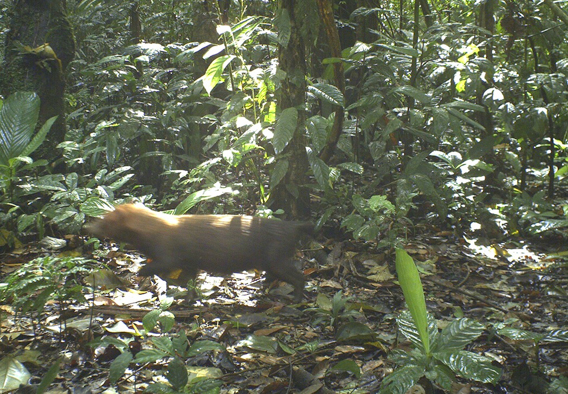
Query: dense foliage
(452, 116)
(467, 121)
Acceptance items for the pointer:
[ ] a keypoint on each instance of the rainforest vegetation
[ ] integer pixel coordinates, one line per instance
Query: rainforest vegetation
(426, 141)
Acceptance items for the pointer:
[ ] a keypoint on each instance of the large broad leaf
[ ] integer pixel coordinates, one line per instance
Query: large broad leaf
(327, 92)
(214, 71)
(204, 346)
(470, 366)
(401, 380)
(12, 374)
(282, 23)
(201, 195)
(557, 336)
(517, 334)
(279, 172)
(409, 280)
(464, 118)
(39, 137)
(355, 331)
(413, 92)
(349, 366)
(483, 147)
(119, 365)
(18, 117)
(402, 50)
(260, 343)
(459, 333)
(320, 169)
(96, 207)
(407, 328)
(285, 128)
(317, 130)
(177, 374)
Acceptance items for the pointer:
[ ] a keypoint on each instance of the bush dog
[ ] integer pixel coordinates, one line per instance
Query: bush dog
(213, 243)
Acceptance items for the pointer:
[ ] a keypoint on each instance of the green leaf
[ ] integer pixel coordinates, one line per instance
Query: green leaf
(352, 222)
(12, 374)
(411, 91)
(380, 203)
(349, 366)
(166, 320)
(164, 344)
(282, 23)
(177, 374)
(72, 180)
(200, 347)
(201, 195)
(150, 320)
(265, 344)
(112, 150)
(279, 172)
(413, 294)
(200, 375)
(426, 136)
(49, 377)
(401, 380)
(408, 328)
(320, 169)
(149, 356)
(285, 129)
(458, 334)
(464, 105)
(96, 207)
(120, 182)
(556, 336)
(316, 127)
(517, 334)
(249, 136)
(466, 119)
(180, 344)
(470, 366)
(323, 302)
(440, 121)
(287, 349)
(402, 50)
(483, 147)
(214, 71)
(353, 167)
(18, 117)
(355, 331)
(369, 231)
(118, 366)
(327, 92)
(427, 187)
(39, 137)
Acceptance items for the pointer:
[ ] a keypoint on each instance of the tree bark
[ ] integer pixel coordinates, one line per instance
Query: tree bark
(326, 14)
(33, 24)
(291, 194)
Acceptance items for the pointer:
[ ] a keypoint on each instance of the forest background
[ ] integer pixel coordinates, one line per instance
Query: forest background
(384, 122)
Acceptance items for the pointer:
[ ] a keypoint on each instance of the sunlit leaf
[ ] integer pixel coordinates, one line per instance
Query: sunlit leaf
(413, 294)
(285, 129)
(327, 92)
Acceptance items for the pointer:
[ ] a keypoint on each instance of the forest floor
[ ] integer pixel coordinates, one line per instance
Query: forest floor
(332, 342)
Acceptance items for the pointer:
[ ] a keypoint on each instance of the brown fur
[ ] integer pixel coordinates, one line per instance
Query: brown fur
(214, 243)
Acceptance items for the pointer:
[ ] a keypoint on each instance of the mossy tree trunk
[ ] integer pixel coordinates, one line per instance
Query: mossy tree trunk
(325, 8)
(291, 194)
(32, 24)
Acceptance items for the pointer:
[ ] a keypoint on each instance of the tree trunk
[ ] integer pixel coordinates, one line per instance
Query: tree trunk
(291, 194)
(28, 66)
(326, 14)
